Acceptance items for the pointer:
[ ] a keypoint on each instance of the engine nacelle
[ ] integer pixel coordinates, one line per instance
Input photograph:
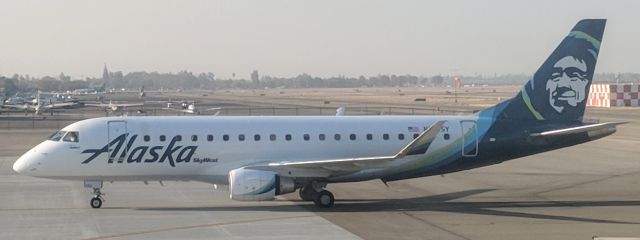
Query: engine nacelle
(258, 185)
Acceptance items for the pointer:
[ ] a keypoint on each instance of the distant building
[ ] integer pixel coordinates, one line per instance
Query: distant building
(105, 73)
(614, 95)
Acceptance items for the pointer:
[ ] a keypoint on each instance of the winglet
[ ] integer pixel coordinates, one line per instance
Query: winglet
(420, 144)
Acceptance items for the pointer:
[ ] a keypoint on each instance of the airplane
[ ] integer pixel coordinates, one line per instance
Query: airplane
(141, 92)
(114, 107)
(189, 107)
(260, 157)
(40, 106)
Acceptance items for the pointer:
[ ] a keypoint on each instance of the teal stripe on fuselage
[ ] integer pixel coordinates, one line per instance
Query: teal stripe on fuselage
(453, 151)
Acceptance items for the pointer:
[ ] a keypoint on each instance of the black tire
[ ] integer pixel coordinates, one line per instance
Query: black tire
(307, 194)
(324, 199)
(96, 202)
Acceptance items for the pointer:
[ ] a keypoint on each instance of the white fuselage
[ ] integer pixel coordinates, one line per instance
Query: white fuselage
(212, 146)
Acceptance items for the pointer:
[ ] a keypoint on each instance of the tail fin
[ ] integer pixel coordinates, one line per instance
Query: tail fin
(559, 89)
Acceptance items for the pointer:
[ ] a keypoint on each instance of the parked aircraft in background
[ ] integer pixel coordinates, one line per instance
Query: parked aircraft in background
(114, 107)
(260, 157)
(189, 107)
(45, 104)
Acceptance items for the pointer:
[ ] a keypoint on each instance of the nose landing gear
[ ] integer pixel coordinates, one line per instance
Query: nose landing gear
(96, 201)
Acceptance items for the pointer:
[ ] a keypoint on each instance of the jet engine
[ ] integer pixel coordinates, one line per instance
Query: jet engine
(258, 185)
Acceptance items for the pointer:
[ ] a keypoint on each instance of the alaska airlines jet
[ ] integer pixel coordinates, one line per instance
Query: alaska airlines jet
(260, 157)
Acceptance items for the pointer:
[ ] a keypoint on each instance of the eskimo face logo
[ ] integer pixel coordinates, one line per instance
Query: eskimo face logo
(567, 86)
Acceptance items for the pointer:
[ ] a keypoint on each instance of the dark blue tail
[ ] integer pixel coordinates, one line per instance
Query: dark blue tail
(559, 89)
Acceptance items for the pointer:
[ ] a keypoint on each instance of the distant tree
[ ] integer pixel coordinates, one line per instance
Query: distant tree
(437, 80)
(63, 77)
(255, 78)
(9, 86)
(49, 84)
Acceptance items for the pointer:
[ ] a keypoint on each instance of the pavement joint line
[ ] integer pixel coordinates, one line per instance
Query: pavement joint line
(435, 225)
(121, 235)
(587, 182)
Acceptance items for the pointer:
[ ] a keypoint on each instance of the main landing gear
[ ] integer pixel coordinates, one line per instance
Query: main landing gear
(315, 192)
(96, 201)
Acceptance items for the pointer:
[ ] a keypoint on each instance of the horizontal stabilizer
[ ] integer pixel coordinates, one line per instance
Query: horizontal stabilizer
(580, 129)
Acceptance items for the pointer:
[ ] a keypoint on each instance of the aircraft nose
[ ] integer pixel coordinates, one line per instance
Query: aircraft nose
(24, 164)
(20, 166)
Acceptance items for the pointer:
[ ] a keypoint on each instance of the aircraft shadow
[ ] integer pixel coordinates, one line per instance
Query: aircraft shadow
(433, 203)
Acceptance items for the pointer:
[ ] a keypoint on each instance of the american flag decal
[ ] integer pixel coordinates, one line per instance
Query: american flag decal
(413, 129)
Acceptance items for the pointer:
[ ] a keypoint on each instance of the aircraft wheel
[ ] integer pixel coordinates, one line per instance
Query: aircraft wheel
(96, 202)
(307, 194)
(324, 199)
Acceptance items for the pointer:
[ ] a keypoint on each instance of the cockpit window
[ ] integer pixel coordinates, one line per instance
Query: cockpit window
(57, 135)
(71, 137)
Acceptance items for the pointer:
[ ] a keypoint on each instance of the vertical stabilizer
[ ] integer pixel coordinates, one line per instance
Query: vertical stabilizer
(559, 89)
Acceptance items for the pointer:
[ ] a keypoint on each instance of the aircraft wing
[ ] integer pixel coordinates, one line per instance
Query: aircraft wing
(127, 104)
(580, 129)
(107, 105)
(418, 146)
(60, 105)
(18, 106)
(178, 110)
(100, 105)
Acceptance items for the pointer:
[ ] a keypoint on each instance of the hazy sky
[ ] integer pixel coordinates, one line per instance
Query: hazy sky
(323, 38)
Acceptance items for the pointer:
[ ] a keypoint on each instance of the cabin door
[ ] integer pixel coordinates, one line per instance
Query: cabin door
(116, 130)
(469, 138)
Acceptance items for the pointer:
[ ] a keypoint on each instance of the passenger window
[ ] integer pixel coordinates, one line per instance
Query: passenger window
(71, 137)
(400, 136)
(194, 138)
(57, 135)
(209, 137)
(321, 137)
(225, 137)
(415, 135)
(336, 137)
(446, 136)
(369, 136)
(256, 137)
(385, 136)
(178, 138)
(287, 137)
(147, 138)
(306, 137)
(241, 137)
(272, 137)
(162, 138)
(352, 137)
